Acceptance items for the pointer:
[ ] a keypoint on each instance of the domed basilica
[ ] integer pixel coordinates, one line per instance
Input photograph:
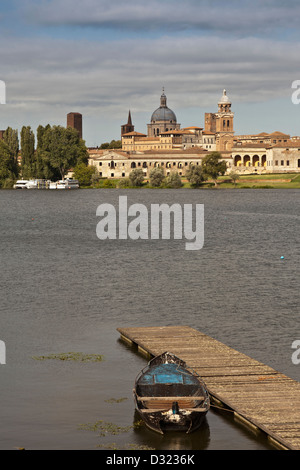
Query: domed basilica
(163, 119)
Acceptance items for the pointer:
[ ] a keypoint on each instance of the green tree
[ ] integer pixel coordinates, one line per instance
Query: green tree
(136, 177)
(234, 177)
(43, 169)
(60, 149)
(173, 180)
(213, 166)
(84, 174)
(195, 176)
(104, 146)
(113, 144)
(156, 177)
(124, 183)
(11, 138)
(28, 164)
(8, 167)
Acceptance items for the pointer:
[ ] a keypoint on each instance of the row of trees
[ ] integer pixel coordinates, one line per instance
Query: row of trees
(49, 155)
(212, 167)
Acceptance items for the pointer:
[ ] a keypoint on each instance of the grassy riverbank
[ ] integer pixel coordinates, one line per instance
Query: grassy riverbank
(278, 181)
(267, 181)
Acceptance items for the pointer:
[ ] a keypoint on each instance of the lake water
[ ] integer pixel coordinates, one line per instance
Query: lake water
(64, 290)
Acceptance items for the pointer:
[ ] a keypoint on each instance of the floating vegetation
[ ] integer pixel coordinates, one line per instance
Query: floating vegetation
(71, 356)
(138, 424)
(105, 428)
(113, 446)
(116, 400)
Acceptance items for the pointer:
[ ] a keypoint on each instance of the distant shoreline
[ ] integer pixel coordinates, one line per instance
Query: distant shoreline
(267, 181)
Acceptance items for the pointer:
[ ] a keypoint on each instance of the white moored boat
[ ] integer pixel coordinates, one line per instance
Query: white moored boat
(21, 184)
(68, 183)
(31, 184)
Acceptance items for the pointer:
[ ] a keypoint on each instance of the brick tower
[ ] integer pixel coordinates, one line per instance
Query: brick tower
(74, 120)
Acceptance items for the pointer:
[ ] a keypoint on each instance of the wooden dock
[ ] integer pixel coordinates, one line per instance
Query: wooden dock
(259, 396)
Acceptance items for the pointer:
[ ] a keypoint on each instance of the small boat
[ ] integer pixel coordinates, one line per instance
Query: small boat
(21, 184)
(67, 183)
(169, 396)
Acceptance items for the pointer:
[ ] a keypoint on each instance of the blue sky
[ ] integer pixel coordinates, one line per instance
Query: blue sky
(102, 58)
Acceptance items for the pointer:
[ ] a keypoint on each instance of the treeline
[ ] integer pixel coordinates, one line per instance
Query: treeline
(113, 144)
(48, 155)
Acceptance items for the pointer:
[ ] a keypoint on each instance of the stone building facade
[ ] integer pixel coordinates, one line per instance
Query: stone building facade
(119, 164)
(174, 149)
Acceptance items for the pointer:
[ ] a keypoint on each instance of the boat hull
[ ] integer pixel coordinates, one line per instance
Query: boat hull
(170, 397)
(166, 421)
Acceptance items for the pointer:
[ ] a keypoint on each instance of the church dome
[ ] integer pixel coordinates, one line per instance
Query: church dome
(163, 113)
(224, 98)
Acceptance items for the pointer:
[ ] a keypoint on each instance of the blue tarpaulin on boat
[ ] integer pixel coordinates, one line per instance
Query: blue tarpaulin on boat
(167, 373)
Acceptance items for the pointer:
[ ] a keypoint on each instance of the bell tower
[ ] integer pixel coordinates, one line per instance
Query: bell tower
(224, 124)
(126, 128)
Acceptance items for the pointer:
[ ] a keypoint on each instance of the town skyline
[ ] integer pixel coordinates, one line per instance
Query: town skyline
(104, 59)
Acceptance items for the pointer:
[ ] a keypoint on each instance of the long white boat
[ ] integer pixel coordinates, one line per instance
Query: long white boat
(31, 184)
(68, 183)
(21, 184)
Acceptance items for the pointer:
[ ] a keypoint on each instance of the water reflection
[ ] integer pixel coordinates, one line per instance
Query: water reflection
(172, 440)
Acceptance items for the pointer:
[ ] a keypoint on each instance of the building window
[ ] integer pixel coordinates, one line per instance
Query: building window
(123, 175)
(100, 163)
(112, 175)
(276, 162)
(287, 163)
(282, 162)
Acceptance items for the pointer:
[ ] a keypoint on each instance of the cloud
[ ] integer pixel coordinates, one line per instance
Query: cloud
(66, 71)
(235, 17)
(48, 77)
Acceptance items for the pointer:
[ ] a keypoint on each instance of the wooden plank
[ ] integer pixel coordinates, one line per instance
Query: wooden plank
(261, 396)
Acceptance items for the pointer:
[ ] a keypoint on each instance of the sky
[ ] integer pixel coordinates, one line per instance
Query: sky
(102, 58)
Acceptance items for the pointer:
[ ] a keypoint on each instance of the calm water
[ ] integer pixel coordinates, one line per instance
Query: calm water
(64, 290)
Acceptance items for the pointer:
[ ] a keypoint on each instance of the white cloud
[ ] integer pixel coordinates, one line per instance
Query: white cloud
(48, 78)
(234, 17)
